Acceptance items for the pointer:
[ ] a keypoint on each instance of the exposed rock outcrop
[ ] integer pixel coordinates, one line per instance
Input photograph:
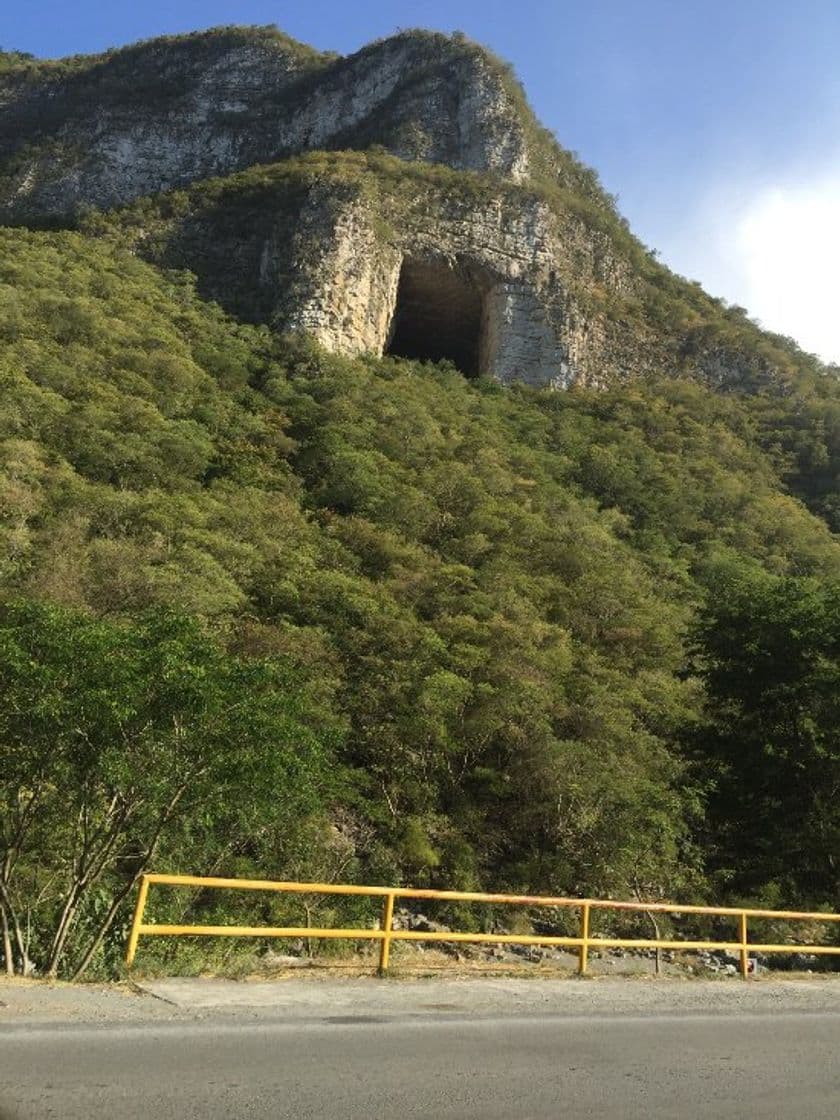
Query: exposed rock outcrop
(370, 255)
(169, 112)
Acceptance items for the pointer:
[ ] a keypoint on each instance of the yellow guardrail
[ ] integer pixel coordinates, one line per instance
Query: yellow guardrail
(385, 934)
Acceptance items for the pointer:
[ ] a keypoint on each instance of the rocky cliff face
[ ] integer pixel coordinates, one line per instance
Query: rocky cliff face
(401, 200)
(168, 113)
(372, 255)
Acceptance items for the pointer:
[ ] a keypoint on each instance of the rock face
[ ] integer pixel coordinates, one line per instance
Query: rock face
(401, 200)
(480, 284)
(170, 112)
(371, 255)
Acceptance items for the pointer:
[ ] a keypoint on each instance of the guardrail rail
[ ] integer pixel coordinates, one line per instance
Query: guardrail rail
(385, 934)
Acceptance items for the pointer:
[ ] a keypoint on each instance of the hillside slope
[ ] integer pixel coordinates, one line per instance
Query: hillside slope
(398, 623)
(489, 589)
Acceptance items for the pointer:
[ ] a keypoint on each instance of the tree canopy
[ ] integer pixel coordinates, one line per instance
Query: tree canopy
(446, 632)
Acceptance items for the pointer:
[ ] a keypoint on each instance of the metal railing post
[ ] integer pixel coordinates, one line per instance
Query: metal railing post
(137, 921)
(742, 937)
(387, 927)
(583, 956)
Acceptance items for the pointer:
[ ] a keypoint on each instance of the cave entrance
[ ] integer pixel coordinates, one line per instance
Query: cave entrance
(438, 315)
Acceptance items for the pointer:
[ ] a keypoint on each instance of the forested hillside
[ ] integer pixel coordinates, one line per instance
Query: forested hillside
(274, 611)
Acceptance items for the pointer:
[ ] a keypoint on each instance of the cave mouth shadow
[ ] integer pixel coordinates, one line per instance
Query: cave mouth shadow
(439, 314)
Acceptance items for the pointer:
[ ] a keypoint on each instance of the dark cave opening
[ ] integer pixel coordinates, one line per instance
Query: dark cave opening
(438, 315)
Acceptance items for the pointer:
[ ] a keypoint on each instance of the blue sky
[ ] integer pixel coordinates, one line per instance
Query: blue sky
(716, 123)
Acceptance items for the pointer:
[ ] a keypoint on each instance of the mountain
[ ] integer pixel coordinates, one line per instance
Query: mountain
(336, 394)
(479, 231)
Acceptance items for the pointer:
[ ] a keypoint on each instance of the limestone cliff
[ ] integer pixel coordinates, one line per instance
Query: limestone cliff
(370, 255)
(109, 129)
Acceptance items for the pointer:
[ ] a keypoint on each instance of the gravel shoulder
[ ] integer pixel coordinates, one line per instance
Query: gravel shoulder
(337, 999)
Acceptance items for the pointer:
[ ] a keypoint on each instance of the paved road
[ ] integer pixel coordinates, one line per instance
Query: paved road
(438, 1066)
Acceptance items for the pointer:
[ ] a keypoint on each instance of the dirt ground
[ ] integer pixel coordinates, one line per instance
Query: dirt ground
(327, 993)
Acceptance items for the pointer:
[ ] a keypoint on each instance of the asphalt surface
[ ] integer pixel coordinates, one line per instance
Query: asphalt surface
(437, 1065)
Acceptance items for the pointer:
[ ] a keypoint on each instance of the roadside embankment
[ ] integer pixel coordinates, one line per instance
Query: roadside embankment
(326, 996)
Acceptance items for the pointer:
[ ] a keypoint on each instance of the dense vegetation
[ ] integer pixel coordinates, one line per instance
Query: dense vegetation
(369, 619)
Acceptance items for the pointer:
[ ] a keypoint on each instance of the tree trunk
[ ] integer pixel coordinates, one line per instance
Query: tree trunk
(651, 918)
(11, 916)
(89, 867)
(658, 957)
(7, 942)
(146, 859)
(65, 923)
(105, 925)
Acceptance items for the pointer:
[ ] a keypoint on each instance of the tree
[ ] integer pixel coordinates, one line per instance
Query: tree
(118, 739)
(768, 648)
